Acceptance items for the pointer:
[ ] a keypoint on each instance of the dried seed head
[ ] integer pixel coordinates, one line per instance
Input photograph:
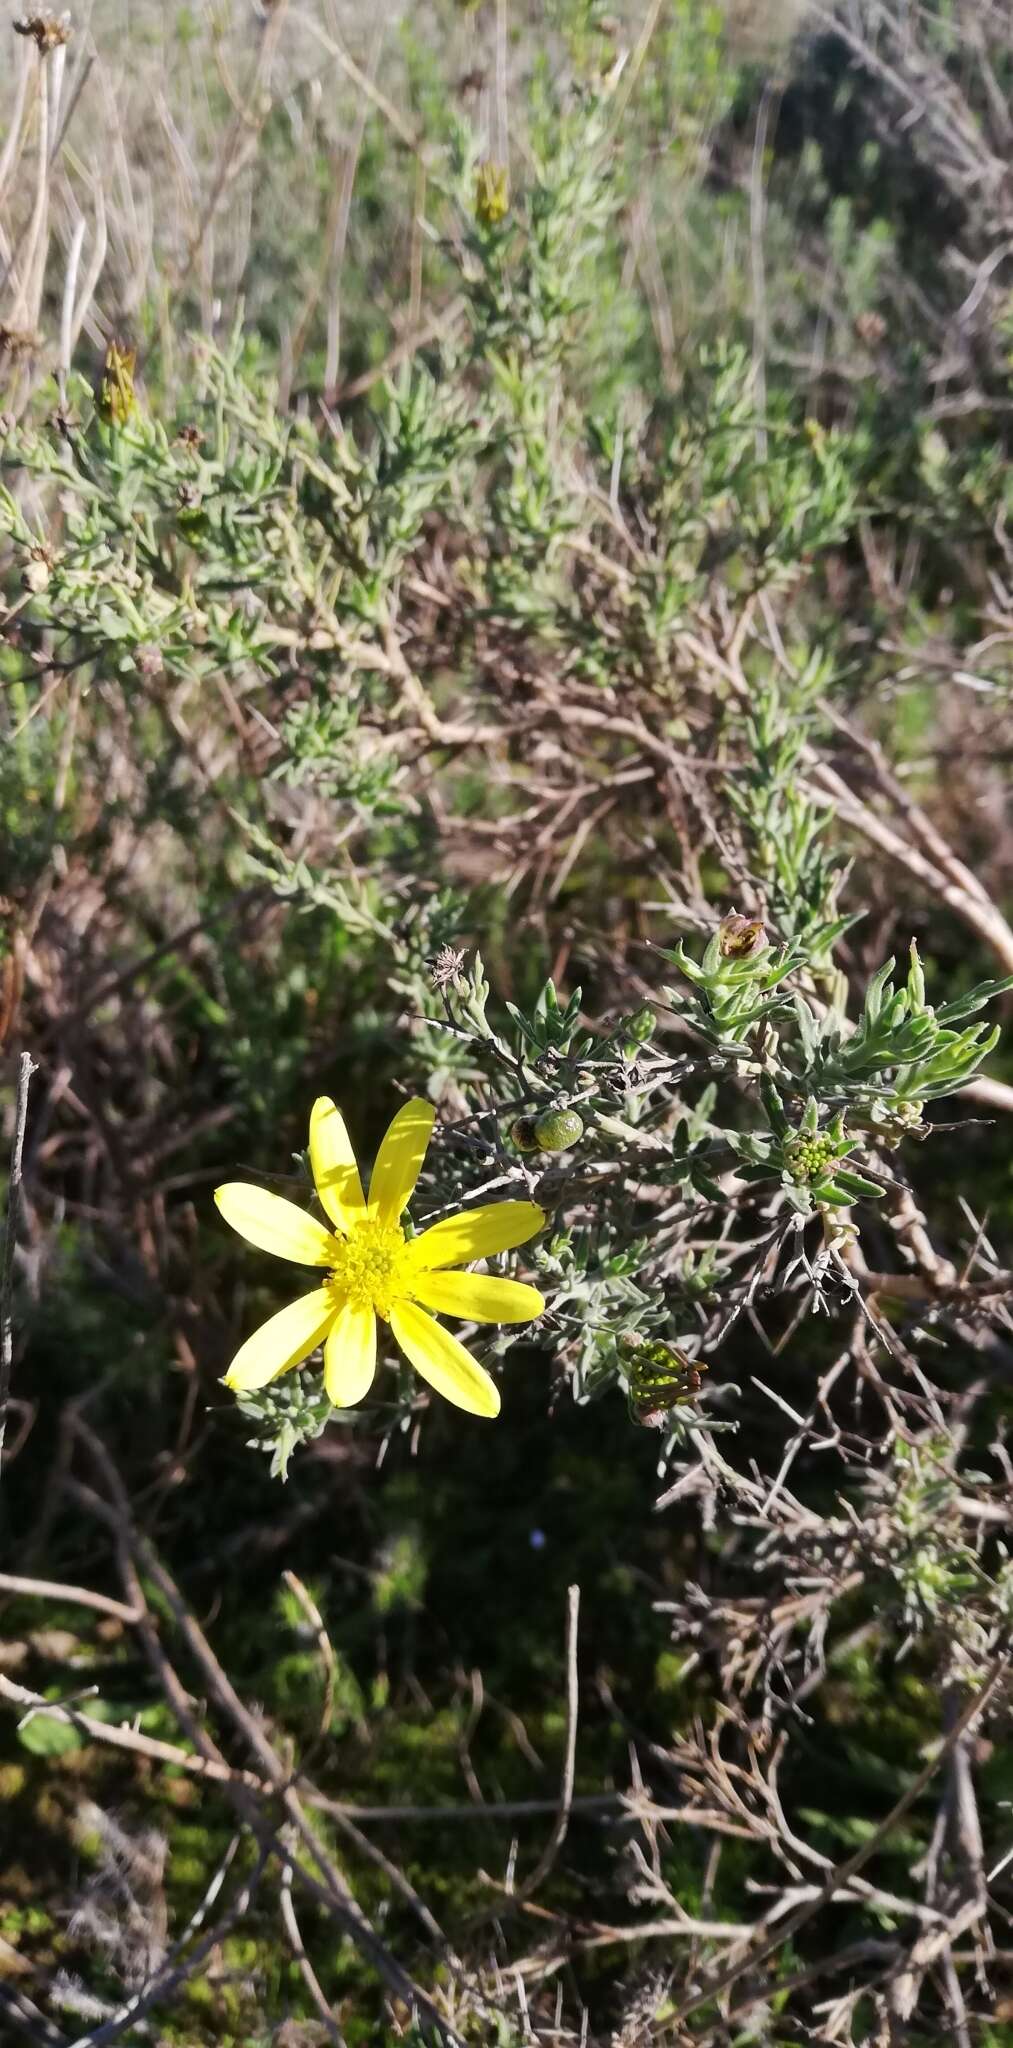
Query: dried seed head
(446, 967)
(18, 341)
(739, 938)
(870, 328)
(35, 577)
(47, 31)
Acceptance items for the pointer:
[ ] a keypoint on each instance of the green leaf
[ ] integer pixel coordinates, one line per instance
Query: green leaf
(49, 1735)
(774, 1107)
(856, 1185)
(874, 992)
(975, 999)
(808, 1029)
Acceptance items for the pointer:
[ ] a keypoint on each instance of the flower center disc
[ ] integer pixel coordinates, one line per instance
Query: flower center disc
(369, 1267)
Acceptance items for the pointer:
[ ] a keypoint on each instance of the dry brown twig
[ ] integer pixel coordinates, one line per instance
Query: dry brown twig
(556, 1839)
(762, 1942)
(26, 1068)
(327, 1884)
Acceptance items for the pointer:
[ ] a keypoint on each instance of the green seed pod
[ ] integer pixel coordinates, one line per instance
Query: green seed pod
(522, 1134)
(557, 1130)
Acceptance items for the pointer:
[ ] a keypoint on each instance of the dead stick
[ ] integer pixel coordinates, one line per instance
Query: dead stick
(789, 1926)
(119, 1735)
(558, 1835)
(26, 1069)
(75, 1596)
(133, 1549)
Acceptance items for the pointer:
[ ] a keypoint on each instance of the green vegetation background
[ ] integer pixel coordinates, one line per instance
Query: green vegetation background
(442, 1575)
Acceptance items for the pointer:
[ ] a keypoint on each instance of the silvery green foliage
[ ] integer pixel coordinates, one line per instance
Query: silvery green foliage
(293, 1411)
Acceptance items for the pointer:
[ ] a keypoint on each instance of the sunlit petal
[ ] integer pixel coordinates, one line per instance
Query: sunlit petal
(334, 1168)
(481, 1297)
(477, 1234)
(399, 1160)
(283, 1341)
(274, 1225)
(350, 1356)
(443, 1361)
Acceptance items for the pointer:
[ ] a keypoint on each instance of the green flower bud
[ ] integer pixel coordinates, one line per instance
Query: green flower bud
(641, 1025)
(557, 1130)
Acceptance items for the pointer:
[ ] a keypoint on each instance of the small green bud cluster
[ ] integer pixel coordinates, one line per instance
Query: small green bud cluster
(293, 1411)
(894, 1121)
(807, 1158)
(659, 1377)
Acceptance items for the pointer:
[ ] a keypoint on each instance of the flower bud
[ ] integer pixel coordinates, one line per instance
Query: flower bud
(116, 399)
(807, 1158)
(492, 194)
(641, 1025)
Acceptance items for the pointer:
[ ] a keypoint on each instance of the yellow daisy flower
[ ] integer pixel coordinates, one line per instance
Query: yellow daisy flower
(374, 1270)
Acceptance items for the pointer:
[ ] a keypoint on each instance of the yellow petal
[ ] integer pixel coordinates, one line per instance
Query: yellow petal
(482, 1297)
(274, 1225)
(399, 1160)
(285, 1340)
(477, 1234)
(334, 1169)
(443, 1361)
(350, 1356)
